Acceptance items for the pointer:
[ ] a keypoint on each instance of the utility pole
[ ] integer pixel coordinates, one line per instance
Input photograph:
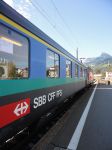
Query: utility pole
(77, 53)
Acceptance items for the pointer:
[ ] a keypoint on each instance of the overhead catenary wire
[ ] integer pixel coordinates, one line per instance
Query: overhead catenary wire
(41, 12)
(64, 22)
(37, 6)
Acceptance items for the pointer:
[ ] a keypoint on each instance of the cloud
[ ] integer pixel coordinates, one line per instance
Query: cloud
(9, 2)
(23, 7)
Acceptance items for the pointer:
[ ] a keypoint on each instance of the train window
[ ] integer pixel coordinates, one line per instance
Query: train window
(13, 54)
(81, 72)
(76, 70)
(68, 68)
(52, 64)
(85, 72)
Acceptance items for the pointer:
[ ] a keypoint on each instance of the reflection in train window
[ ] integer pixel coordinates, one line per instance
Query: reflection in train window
(52, 62)
(68, 68)
(85, 72)
(76, 70)
(81, 72)
(13, 54)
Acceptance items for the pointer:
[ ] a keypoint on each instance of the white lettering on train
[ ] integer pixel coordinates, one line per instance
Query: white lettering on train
(41, 100)
(59, 93)
(51, 96)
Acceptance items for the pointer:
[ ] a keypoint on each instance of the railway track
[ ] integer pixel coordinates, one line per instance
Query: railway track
(26, 138)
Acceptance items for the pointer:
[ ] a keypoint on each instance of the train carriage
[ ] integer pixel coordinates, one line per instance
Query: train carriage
(36, 74)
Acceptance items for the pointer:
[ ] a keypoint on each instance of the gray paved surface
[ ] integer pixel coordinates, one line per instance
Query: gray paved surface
(65, 134)
(97, 132)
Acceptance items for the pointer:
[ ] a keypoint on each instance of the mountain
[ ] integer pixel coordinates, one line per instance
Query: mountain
(100, 64)
(104, 58)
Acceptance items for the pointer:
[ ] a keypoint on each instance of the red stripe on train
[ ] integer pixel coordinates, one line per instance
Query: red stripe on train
(14, 111)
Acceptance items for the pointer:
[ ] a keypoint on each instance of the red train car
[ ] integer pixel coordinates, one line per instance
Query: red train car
(90, 76)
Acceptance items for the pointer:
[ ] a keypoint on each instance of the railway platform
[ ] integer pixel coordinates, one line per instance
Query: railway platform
(86, 126)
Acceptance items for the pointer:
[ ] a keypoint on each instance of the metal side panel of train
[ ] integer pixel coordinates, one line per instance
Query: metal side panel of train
(22, 108)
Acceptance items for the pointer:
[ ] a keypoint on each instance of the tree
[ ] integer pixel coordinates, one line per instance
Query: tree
(1, 71)
(11, 70)
(97, 71)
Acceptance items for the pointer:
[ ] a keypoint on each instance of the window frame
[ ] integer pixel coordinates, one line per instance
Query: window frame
(76, 66)
(54, 63)
(85, 73)
(81, 72)
(19, 32)
(70, 68)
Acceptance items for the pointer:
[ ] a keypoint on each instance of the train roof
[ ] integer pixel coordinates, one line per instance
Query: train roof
(8, 11)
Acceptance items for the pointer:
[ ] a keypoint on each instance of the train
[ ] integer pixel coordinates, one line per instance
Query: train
(36, 73)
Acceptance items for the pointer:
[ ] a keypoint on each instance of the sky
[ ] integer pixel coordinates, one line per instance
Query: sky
(85, 25)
